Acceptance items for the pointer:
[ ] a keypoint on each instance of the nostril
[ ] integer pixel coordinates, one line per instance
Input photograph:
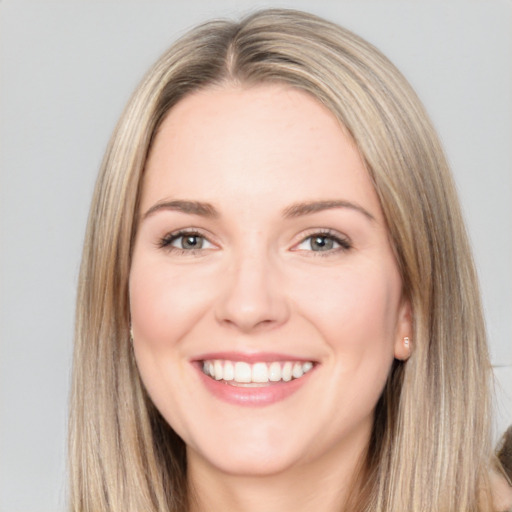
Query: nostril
(251, 298)
(248, 323)
(264, 315)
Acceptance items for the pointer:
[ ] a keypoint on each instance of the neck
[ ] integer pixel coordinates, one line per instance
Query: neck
(324, 485)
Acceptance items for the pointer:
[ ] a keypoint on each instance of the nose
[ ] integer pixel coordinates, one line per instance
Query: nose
(252, 298)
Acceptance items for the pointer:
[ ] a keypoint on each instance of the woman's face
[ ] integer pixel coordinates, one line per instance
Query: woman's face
(266, 303)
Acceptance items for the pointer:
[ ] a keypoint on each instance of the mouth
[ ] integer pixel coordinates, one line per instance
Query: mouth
(253, 379)
(245, 374)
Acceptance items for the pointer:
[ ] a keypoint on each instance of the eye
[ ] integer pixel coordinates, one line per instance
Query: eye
(185, 241)
(323, 242)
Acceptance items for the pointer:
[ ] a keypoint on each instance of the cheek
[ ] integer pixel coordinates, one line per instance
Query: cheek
(165, 302)
(164, 307)
(356, 309)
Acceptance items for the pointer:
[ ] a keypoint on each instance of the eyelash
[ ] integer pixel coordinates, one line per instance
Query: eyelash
(343, 243)
(167, 241)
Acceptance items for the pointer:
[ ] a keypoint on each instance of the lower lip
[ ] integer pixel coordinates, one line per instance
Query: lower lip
(253, 396)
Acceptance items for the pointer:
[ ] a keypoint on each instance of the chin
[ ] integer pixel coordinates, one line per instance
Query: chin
(248, 455)
(243, 464)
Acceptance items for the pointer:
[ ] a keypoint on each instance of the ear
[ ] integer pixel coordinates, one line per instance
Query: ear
(403, 340)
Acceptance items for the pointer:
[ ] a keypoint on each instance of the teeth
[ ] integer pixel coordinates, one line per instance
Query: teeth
(297, 371)
(274, 372)
(307, 366)
(286, 372)
(258, 373)
(229, 371)
(218, 370)
(242, 372)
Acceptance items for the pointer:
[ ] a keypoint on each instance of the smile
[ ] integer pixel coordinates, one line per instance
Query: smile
(241, 373)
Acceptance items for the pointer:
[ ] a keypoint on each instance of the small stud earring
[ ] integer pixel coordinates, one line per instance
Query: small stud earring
(406, 341)
(131, 334)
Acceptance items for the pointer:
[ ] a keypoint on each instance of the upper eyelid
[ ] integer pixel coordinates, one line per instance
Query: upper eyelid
(166, 240)
(299, 238)
(344, 242)
(188, 231)
(327, 232)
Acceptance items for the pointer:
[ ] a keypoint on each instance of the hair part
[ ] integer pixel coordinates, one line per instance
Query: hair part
(430, 445)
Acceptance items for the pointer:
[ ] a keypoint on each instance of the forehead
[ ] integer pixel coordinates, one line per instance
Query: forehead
(251, 142)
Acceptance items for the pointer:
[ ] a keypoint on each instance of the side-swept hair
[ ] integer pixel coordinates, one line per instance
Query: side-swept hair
(430, 445)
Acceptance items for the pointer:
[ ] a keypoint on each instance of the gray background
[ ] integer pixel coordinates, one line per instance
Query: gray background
(67, 69)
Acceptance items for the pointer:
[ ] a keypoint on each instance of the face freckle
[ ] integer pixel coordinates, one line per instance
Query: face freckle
(265, 300)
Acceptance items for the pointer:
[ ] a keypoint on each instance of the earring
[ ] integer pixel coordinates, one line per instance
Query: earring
(406, 342)
(131, 334)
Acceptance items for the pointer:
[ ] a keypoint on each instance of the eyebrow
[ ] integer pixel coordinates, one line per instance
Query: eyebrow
(190, 207)
(292, 211)
(307, 208)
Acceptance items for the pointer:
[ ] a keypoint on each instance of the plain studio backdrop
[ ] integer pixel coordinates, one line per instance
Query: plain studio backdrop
(68, 68)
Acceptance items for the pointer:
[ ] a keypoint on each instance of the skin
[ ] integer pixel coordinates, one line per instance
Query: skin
(501, 490)
(258, 285)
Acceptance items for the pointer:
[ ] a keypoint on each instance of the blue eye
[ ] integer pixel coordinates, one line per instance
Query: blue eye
(186, 241)
(323, 242)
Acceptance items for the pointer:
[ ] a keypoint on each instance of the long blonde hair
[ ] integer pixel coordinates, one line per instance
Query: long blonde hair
(430, 445)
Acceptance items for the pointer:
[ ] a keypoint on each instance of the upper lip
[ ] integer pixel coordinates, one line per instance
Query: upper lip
(256, 357)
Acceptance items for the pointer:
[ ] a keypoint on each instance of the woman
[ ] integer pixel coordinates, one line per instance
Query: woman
(276, 231)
